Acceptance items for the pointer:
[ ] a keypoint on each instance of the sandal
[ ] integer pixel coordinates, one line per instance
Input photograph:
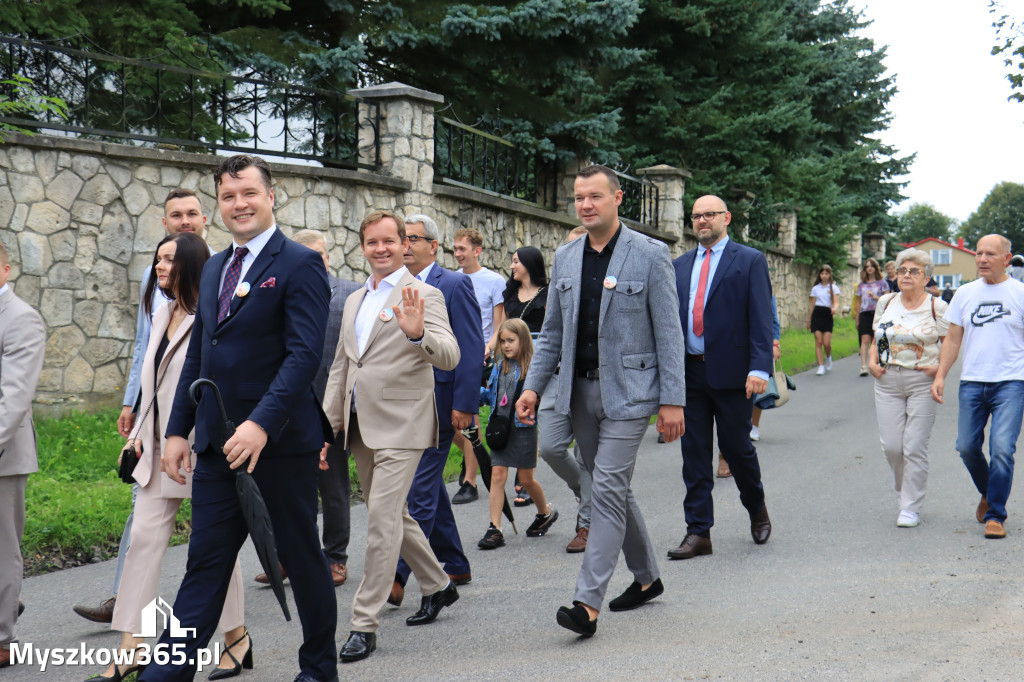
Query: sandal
(522, 498)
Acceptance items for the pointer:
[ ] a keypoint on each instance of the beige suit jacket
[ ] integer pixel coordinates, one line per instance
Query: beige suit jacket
(22, 339)
(393, 378)
(151, 431)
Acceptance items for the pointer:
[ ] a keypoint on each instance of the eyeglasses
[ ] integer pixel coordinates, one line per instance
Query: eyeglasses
(414, 238)
(708, 216)
(913, 272)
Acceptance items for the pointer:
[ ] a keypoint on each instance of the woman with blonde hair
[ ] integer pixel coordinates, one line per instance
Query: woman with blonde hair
(909, 329)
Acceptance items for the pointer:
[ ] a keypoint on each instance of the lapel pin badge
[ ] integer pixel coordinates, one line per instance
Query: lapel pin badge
(242, 290)
(610, 282)
(386, 315)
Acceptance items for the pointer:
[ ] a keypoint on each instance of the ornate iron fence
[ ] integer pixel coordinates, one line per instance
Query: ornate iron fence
(640, 199)
(131, 100)
(466, 156)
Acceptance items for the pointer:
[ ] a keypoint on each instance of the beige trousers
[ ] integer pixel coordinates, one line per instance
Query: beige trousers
(386, 476)
(12, 526)
(906, 414)
(140, 582)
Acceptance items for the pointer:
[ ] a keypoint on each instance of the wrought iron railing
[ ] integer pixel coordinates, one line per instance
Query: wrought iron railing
(466, 156)
(131, 100)
(762, 225)
(640, 199)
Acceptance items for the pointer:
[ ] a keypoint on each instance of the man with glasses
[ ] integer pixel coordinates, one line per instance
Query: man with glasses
(725, 308)
(986, 317)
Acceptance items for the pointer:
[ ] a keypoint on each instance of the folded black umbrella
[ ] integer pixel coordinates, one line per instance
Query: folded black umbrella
(254, 508)
(483, 460)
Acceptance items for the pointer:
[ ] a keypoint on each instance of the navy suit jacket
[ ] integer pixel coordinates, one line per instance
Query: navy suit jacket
(737, 315)
(263, 356)
(459, 389)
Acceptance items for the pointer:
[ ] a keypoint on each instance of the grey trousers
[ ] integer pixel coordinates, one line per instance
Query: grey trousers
(12, 525)
(609, 448)
(555, 437)
(335, 493)
(906, 414)
(126, 541)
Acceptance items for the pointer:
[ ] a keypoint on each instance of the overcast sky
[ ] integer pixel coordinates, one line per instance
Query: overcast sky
(951, 107)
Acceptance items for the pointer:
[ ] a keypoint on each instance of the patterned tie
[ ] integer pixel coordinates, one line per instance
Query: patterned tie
(230, 282)
(698, 304)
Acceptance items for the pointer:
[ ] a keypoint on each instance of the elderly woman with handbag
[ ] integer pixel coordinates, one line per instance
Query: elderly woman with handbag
(177, 268)
(909, 329)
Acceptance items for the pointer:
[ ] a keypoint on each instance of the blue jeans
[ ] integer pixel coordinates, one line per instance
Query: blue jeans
(1004, 401)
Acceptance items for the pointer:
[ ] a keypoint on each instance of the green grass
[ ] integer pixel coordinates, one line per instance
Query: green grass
(798, 345)
(76, 502)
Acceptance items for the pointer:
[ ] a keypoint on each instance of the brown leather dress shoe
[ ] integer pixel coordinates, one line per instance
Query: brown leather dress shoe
(104, 613)
(5, 657)
(994, 530)
(339, 573)
(723, 467)
(262, 578)
(982, 510)
(579, 543)
(461, 578)
(397, 594)
(760, 526)
(691, 546)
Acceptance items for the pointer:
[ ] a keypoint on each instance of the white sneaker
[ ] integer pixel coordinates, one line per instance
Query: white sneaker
(908, 519)
(863, 370)
(828, 364)
(821, 371)
(754, 433)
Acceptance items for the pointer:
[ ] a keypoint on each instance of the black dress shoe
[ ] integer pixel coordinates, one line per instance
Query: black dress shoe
(635, 596)
(691, 546)
(432, 605)
(760, 526)
(576, 619)
(359, 646)
(467, 493)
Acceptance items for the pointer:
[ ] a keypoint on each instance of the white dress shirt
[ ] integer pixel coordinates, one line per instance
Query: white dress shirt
(373, 304)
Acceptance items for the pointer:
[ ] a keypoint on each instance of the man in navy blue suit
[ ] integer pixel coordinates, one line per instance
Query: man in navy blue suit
(259, 335)
(458, 398)
(725, 309)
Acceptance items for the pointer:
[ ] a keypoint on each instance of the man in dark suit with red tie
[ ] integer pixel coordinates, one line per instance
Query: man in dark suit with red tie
(259, 335)
(725, 309)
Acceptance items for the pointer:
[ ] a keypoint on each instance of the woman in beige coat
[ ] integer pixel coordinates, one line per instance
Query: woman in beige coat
(178, 266)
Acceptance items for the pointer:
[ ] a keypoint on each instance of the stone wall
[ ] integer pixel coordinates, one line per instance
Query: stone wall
(81, 220)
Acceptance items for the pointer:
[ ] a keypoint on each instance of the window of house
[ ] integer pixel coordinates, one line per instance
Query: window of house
(942, 256)
(954, 281)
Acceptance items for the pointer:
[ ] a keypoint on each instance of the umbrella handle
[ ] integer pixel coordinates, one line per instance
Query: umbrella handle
(193, 393)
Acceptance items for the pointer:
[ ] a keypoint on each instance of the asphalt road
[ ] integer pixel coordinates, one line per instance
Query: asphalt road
(839, 593)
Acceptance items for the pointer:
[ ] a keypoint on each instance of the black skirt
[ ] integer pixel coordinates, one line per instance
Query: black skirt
(821, 319)
(864, 323)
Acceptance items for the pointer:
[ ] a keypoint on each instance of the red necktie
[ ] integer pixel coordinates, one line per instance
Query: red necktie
(227, 290)
(698, 304)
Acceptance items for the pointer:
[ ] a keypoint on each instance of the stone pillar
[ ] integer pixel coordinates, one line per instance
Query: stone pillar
(566, 199)
(874, 243)
(406, 136)
(853, 252)
(671, 184)
(787, 232)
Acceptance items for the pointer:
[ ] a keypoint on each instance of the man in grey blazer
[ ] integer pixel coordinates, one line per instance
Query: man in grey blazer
(612, 317)
(22, 338)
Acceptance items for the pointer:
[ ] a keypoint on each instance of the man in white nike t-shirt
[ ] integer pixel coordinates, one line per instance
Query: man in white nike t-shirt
(986, 316)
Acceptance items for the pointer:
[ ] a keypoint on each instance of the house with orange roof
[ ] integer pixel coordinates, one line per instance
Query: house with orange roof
(954, 263)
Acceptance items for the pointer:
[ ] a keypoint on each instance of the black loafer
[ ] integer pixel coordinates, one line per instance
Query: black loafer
(576, 619)
(635, 596)
(359, 646)
(432, 605)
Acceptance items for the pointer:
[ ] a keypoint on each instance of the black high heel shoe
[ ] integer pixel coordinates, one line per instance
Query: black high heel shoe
(118, 675)
(236, 670)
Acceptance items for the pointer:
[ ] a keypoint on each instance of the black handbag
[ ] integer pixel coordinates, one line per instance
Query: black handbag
(499, 426)
(129, 460)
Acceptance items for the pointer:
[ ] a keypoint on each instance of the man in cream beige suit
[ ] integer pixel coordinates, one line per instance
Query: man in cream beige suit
(380, 392)
(22, 338)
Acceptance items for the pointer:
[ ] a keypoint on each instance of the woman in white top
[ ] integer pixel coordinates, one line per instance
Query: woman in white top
(824, 306)
(909, 329)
